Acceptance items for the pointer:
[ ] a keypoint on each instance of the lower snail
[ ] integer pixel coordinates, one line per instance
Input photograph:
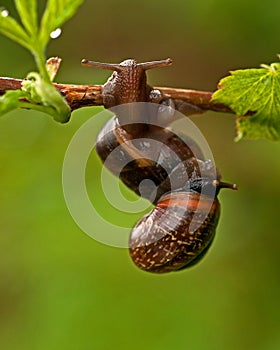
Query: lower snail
(177, 233)
(162, 240)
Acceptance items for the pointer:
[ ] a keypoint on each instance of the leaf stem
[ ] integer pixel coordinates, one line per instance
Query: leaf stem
(40, 62)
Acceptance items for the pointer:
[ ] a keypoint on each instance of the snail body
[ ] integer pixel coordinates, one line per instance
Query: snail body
(184, 187)
(131, 163)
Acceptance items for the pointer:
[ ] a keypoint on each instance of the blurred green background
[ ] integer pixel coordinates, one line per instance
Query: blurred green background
(60, 289)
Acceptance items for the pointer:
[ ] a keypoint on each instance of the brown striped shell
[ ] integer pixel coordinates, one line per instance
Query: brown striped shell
(161, 241)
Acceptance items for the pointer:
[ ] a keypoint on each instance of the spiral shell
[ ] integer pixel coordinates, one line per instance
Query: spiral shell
(161, 241)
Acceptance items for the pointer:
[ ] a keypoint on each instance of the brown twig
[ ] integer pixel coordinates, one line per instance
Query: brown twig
(78, 96)
(201, 99)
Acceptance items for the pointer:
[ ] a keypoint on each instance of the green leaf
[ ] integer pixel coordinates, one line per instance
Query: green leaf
(43, 93)
(56, 14)
(38, 95)
(254, 95)
(37, 91)
(27, 10)
(14, 31)
(10, 101)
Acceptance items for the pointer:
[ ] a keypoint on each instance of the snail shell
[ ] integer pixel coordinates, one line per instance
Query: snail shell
(133, 163)
(162, 241)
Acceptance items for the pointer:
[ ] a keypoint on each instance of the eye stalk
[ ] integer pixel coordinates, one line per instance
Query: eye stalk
(220, 184)
(123, 65)
(108, 66)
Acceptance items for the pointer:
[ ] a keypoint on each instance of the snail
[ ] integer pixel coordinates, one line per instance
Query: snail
(126, 85)
(162, 240)
(183, 186)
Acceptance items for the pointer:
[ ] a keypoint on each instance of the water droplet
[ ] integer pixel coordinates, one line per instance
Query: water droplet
(4, 12)
(56, 33)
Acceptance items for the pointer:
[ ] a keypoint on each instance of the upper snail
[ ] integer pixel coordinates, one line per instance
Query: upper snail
(180, 229)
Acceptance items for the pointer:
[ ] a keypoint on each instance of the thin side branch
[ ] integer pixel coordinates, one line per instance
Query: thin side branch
(201, 99)
(78, 96)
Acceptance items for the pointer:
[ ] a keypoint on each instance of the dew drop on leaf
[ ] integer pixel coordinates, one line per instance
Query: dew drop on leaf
(56, 33)
(4, 12)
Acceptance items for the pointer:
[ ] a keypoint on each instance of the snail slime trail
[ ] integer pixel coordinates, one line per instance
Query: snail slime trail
(183, 186)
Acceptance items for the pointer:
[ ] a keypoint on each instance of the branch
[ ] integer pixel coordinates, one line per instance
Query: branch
(78, 96)
(200, 99)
